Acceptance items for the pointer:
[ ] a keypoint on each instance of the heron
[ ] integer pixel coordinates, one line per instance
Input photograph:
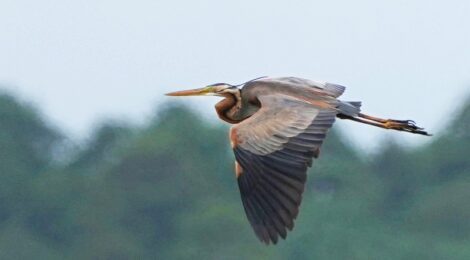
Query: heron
(279, 125)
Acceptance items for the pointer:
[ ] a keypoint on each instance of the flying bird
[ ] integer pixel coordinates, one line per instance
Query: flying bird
(279, 125)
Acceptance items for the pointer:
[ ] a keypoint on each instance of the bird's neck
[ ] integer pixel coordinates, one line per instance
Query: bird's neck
(229, 108)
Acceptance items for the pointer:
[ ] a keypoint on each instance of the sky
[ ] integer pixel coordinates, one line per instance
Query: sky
(82, 62)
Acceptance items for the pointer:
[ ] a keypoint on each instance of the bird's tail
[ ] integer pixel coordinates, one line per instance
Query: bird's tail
(349, 108)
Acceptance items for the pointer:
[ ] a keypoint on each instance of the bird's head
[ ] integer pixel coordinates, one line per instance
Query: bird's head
(218, 89)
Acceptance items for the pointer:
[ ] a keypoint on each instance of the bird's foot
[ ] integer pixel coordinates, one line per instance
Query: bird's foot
(405, 125)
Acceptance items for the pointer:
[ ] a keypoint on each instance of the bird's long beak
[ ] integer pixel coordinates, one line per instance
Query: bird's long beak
(192, 92)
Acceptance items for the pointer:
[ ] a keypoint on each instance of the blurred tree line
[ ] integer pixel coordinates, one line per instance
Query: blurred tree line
(167, 190)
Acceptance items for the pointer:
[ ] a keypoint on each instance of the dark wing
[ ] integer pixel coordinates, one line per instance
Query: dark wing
(273, 149)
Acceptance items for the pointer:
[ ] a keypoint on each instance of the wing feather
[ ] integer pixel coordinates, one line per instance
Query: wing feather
(274, 149)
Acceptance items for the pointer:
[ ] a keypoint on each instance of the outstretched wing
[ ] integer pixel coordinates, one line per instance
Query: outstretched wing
(273, 149)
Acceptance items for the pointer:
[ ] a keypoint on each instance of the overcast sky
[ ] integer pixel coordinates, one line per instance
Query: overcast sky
(83, 61)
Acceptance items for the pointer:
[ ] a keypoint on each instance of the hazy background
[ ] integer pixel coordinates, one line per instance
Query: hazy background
(86, 60)
(95, 163)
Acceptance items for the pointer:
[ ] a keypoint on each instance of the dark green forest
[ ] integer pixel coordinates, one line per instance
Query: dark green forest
(167, 190)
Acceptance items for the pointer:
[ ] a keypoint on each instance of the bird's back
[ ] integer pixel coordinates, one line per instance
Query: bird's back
(295, 87)
(319, 94)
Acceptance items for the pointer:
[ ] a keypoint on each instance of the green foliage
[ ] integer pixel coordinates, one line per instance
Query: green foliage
(168, 191)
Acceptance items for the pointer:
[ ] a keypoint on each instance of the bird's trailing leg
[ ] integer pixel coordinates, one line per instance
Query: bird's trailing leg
(400, 125)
